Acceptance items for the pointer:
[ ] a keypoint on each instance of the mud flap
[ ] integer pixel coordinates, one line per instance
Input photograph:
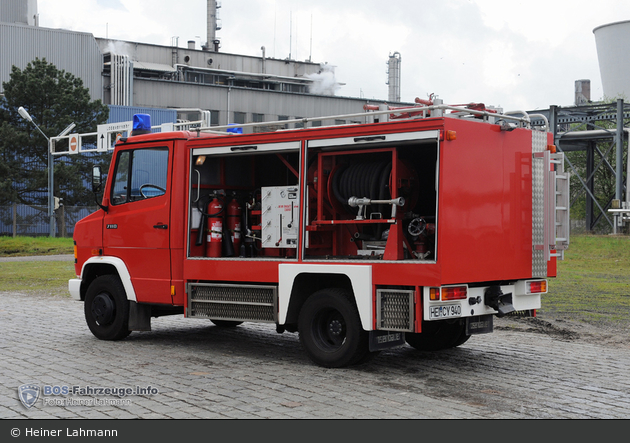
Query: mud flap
(380, 340)
(139, 317)
(480, 324)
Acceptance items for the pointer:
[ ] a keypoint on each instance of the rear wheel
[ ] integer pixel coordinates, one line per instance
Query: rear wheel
(463, 338)
(107, 308)
(226, 323)
(439, 335)
(330, 329)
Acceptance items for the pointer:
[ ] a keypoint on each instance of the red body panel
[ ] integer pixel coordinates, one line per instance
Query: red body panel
(144, 249)
(88, 238)
(485, 205)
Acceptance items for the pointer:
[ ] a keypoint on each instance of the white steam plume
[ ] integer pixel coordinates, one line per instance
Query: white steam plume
(324, 82)
(119, 48)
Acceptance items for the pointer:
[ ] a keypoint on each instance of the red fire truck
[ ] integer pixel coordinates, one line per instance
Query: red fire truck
(418, 227)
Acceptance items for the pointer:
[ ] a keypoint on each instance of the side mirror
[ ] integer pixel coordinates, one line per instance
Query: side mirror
(97, 183)
(96, 179)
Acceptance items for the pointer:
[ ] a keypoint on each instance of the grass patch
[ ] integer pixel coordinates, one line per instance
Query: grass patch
(593, 283)
(25, 246)
(42, 276)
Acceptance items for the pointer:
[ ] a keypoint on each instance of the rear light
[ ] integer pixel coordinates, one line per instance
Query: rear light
(537, 287)
(455, 293)
(434, 294)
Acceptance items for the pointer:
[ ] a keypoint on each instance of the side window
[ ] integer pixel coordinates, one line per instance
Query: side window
(140, 174)
(119, 190)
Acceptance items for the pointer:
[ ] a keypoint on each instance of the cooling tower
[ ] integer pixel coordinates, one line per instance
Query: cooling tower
(612, 41)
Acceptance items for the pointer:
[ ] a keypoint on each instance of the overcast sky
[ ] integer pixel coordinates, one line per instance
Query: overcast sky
(520, 55)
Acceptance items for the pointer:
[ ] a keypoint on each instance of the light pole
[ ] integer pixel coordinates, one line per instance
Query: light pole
(51, 201)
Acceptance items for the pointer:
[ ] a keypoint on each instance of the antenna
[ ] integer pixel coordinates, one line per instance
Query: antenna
(310, 52)
(290, 32)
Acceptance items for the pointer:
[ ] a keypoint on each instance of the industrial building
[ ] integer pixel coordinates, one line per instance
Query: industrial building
(201, 83)
(190, 83)
(174, 84)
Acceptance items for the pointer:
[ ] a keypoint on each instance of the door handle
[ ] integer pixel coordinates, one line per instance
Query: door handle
(160, 226)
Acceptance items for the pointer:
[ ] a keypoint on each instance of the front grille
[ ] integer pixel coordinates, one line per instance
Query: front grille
(232, 302)
(395, 310)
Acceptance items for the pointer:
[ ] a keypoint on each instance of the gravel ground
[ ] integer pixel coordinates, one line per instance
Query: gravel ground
(537, 368)
(561, 327)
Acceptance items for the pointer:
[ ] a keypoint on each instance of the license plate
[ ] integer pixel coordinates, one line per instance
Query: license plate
(445, 311)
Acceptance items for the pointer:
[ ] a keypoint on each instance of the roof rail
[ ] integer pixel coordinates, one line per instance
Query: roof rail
(412, 112)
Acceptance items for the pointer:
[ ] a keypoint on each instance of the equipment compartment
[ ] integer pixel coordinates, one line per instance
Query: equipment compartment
(365, 200)
(238, 195)
(370, 199)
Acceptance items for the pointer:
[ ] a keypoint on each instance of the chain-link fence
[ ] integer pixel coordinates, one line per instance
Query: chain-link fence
(34, 220)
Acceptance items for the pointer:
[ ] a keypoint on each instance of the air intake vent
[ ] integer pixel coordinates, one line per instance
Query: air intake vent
(395, 310)
(232, 302)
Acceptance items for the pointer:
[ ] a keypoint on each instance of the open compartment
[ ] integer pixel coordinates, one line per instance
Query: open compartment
(244, 201)
(373, 198)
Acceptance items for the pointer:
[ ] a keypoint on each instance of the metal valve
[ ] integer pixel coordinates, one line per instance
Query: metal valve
(363, 202)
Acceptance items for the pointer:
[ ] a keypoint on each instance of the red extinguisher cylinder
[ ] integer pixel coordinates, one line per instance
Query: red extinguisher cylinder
(234, 213)
(214, 237)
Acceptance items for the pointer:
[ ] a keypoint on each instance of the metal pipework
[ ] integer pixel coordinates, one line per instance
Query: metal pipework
(363, 202)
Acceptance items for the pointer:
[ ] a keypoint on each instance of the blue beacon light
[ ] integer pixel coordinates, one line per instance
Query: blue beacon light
(141, 124)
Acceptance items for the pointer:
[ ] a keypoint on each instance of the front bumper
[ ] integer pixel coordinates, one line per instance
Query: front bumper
(74, 286)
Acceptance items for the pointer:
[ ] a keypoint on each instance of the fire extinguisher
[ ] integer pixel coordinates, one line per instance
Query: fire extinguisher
(214, 228)
(234, 214)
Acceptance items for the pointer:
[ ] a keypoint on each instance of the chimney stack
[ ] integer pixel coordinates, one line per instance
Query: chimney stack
(212, 44)
(582, 92)
(393, 77)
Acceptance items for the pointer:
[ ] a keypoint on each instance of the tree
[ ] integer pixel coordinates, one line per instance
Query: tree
(54, 98)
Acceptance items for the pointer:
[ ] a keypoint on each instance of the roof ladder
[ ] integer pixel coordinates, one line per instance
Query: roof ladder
(560, 199)
(556, 205)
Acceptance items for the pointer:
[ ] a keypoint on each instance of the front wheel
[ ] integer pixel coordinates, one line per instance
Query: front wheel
(107, 308)
(330, 329)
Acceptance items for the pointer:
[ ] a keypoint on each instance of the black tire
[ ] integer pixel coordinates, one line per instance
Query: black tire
(439, 335)
(226, 323)
(107, 308)
(330, 329)
(463, 338)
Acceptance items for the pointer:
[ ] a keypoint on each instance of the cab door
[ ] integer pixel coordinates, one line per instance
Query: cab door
(137, 223)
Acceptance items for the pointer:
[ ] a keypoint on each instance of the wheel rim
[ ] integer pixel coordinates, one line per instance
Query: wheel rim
(329, 330)
(103, 309)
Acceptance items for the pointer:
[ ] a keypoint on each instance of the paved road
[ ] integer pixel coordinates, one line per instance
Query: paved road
(201, 371)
